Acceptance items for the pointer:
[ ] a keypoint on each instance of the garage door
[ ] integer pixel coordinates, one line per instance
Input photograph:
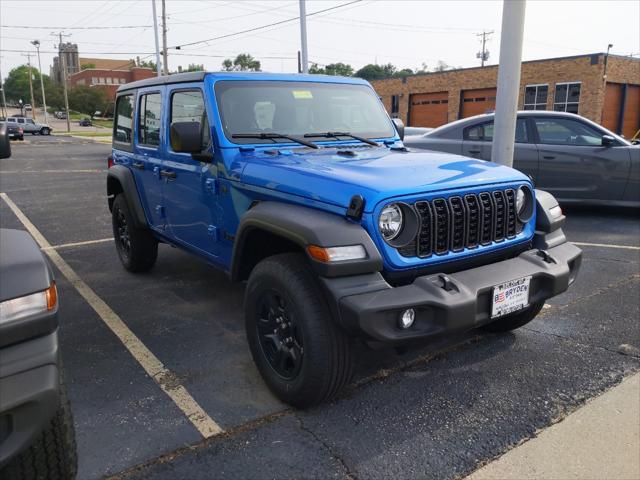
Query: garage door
(428, 109)
(476, 102)
(615, 94)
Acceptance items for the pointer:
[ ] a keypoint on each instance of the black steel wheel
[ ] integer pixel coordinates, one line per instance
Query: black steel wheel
(303, 356)
(137, 248)
(280, 337)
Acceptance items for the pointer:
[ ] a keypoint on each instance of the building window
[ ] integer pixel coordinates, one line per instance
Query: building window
(567, 97)
(395, 104)
(94, 80)
(535, 97)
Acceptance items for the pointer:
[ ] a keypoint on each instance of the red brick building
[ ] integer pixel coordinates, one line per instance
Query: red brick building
(577, 84)
(108, 74)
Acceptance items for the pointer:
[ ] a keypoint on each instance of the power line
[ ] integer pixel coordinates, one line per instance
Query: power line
(105, 27)
(254, 29)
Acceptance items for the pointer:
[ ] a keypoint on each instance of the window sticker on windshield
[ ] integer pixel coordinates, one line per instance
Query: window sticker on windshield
(302, 94)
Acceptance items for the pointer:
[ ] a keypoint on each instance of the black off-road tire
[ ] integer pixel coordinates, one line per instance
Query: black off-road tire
(52, 456)
(326, 356)
(137, 248)
(45, 131)
(515, 320)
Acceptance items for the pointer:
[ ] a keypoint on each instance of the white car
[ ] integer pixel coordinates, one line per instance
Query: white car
(30, 126)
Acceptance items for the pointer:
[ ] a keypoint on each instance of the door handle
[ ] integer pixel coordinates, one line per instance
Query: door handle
(548, 157)
(138, 165)
(168, 174)
(475, 151)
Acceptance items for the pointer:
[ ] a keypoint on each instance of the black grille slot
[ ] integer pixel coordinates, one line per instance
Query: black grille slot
(442, 225)
(473, 220)
(511, 213)
(458, 215)
(500, 215)
(486, 222)
(425, 235)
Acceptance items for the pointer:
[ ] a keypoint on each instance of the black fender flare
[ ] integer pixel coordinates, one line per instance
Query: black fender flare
(121, 180)
(548, 232)
(305, 226)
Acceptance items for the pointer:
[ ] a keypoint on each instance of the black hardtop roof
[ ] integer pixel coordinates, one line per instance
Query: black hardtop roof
(164, 80)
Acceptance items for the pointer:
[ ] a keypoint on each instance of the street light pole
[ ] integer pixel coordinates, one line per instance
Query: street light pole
(155, 32)
(304, 58)
(504, 130)
(33, 103)
(36, 43)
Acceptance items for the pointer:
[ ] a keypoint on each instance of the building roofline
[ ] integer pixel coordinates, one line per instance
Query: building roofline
(495, 65)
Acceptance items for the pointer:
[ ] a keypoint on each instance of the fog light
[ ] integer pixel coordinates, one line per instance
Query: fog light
(407, 318)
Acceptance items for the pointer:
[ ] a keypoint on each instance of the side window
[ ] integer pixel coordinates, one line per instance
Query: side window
(484, 132)
(30, 121)
(188, 106)
(149, 115)
(21, 120)
(565, 131)
(123, 124)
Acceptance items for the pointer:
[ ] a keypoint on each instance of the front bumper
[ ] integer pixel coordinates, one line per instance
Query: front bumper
(449, 303)
(29, 392)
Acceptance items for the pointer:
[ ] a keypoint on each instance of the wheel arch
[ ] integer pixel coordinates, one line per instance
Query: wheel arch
(269, 228)
(120, 181)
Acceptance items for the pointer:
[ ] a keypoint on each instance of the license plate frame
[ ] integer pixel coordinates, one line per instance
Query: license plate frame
(510, 297)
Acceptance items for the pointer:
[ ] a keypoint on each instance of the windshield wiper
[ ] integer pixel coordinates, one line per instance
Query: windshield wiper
(273, 136)
(341, 134)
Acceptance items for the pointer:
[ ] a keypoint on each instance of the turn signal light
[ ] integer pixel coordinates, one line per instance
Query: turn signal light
(110, 161)
(336, 254)
(52, 296)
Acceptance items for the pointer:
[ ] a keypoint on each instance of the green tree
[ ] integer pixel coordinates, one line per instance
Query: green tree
(375, 72)
(242, 63)
(146, 64)
(17, 84)
(87, 66)
(403, 73)
(194, 68)
(85, 99)
(341, 69)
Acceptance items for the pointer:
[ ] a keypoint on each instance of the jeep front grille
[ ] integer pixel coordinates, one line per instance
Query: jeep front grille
(458, 222)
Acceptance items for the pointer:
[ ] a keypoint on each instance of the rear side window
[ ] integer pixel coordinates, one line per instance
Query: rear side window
(484, 132)
(123, 119)
(188, 106)
(149, 119)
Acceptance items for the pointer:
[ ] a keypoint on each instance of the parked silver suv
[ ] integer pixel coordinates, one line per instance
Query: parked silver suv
(30, 126)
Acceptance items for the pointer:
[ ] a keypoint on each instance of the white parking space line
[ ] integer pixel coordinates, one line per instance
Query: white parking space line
(606, 245)
(86, 170)
(77, 244)
(151, 364)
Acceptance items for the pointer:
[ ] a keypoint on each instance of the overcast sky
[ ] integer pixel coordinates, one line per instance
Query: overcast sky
(405, 33)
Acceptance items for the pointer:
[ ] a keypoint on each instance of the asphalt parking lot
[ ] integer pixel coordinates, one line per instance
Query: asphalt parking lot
(438, 412)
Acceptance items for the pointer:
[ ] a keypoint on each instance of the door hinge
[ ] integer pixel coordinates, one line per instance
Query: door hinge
(213, 231)
(211, 185)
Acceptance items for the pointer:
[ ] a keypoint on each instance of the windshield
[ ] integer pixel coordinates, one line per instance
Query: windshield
(298, 108)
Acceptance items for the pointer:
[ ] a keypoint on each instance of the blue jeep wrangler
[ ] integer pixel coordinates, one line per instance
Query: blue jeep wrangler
(301, 186)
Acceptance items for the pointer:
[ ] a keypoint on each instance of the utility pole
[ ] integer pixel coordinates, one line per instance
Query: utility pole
(155, 33)
(484, 54)
(304, 58)
(165, 62)
(5, 112)
(33, 103)
(510, 62)
(63, 62)
(36, 43)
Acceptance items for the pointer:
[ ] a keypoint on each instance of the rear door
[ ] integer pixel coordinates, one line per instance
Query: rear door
(194, 216)
(148, 153)
(478, 142)
(575, 165)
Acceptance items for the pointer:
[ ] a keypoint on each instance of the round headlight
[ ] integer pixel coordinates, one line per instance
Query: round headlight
(525, 204)
(521, 200)
(390, 222)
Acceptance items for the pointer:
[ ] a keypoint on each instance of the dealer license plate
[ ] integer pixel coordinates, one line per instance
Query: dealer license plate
(510, 297)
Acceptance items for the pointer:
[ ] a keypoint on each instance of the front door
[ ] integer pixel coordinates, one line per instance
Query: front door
(194, 216)
(147, 154)
(575, 165)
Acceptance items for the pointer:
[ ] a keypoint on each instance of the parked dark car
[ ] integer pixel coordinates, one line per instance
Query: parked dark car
(575, 159)
(14, 131)
(85, 122)
(60, 115)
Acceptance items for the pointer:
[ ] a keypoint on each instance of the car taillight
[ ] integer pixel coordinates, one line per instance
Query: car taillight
(110, 161)
(20, 130)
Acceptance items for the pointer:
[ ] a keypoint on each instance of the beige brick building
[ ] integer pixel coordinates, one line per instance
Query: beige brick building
(575, 84)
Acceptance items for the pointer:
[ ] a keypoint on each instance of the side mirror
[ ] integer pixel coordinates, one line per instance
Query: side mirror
(186, 137)
(5, 146)
(608, 141)
(399, 127)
